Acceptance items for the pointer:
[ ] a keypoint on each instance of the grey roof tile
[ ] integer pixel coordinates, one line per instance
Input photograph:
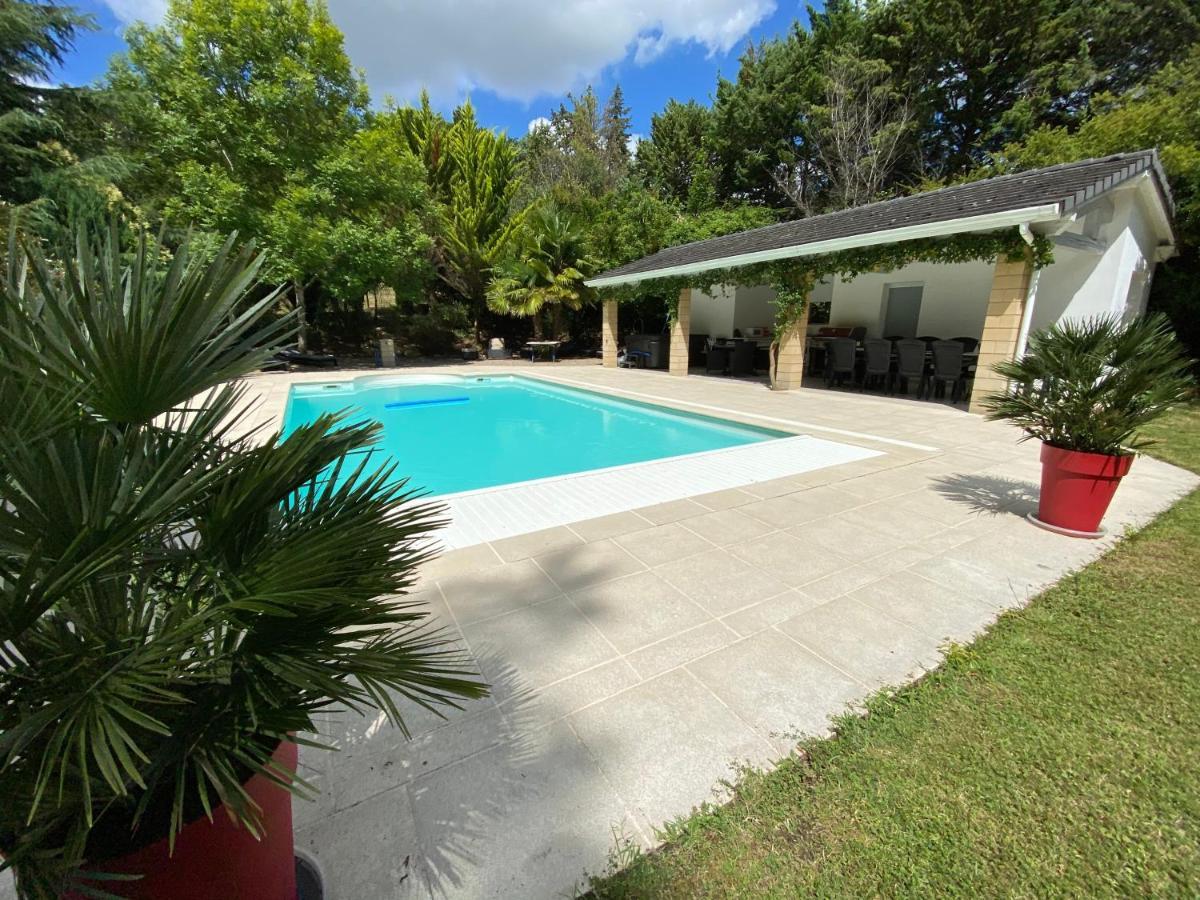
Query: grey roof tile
(1070, 185)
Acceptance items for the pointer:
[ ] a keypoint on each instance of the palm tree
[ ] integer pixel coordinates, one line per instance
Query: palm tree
(546, 271)
(179, 591)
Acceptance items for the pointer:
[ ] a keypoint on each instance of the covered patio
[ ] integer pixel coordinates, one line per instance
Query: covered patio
(979, 266)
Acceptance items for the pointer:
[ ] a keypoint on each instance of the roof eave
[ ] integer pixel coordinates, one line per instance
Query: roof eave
(989, 222)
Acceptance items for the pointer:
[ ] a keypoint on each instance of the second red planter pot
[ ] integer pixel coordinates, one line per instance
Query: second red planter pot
(1077, 488)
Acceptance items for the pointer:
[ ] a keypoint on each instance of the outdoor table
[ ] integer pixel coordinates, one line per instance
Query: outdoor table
(535, 346)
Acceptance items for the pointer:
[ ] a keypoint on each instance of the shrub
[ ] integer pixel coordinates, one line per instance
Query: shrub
(1091, 385)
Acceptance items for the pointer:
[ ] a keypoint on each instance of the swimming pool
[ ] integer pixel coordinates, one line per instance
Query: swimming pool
(450, 434)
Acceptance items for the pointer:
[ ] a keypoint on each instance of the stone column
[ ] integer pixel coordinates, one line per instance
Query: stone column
(608, 334)
(789, 370)
(681, 331)
(1006, 303)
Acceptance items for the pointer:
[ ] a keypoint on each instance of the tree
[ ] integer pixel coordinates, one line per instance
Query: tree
(426, 134)
(859, 132)
(985, 72)
(760, 135)
(475, 219)
(579, 153)
(544, 271)
(614, 137)
(357, 222)
(51, 166)
(673, 160)
(230, 101)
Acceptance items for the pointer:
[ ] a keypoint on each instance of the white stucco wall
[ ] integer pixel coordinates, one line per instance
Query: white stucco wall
(953, 298)
(755, 308)
(713, 312)
(1080, 284)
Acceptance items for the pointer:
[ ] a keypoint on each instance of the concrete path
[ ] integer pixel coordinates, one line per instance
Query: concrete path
(638, 659)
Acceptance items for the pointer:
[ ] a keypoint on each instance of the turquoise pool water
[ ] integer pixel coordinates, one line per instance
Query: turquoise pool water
(451, 434)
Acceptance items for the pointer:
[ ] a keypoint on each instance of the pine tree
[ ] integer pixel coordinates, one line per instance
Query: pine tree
(45, 169)
(614, 136)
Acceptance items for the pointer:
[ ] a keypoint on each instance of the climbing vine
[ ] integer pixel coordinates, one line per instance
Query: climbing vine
(793, 279)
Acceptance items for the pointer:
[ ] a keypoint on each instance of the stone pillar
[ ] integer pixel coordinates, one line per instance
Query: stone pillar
(608, 334)
(681, 331)
(1006, 303)
(789, 368)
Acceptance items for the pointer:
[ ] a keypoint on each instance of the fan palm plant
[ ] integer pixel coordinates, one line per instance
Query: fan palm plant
(1090, 385)
(179, 590)
(545, 272)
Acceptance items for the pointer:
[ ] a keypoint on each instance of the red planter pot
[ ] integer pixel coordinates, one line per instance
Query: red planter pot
(1077, 488)
(219, 860)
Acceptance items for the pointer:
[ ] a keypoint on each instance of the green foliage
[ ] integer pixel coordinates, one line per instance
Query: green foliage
(476, 222)
(1091, 386)
(973, 75)
(581, 154)
(229, 101)
(357, 222)
(51, 167)
(178, 591)
(1164, 113)
(546, 269)
(673, 161)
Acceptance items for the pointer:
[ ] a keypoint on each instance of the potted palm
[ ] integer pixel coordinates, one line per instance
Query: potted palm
(180, 591)
(1084, 389)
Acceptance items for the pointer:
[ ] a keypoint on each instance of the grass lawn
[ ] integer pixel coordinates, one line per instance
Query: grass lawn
(1058, 755)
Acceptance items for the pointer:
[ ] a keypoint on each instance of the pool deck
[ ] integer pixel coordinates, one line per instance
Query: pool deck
(637, 658)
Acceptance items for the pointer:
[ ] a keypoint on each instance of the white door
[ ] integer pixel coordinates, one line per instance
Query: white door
(903, 311)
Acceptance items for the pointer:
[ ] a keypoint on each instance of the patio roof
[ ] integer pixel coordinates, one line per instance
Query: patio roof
(1026, 198)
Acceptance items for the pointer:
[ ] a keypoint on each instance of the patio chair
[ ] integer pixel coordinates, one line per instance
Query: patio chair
(858, 332)
(929, 340)
(742, 360)
(839, 360)
(969, 343)
(947, 369)
(878, 358)
(893, 337)
(697, 348)
(910, 364)
(717, 359)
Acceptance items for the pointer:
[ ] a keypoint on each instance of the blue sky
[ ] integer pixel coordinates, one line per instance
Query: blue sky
(521, 57)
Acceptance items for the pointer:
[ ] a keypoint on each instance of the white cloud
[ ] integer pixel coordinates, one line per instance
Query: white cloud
(631, 144)
(130, 11)
(537, 124)
(521, 49)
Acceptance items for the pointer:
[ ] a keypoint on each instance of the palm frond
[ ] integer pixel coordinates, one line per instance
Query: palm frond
(1091, 385)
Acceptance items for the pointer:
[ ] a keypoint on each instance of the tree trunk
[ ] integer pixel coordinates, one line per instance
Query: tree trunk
(476, 311)
(537, 326)
(560, 322)
(301, 314)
